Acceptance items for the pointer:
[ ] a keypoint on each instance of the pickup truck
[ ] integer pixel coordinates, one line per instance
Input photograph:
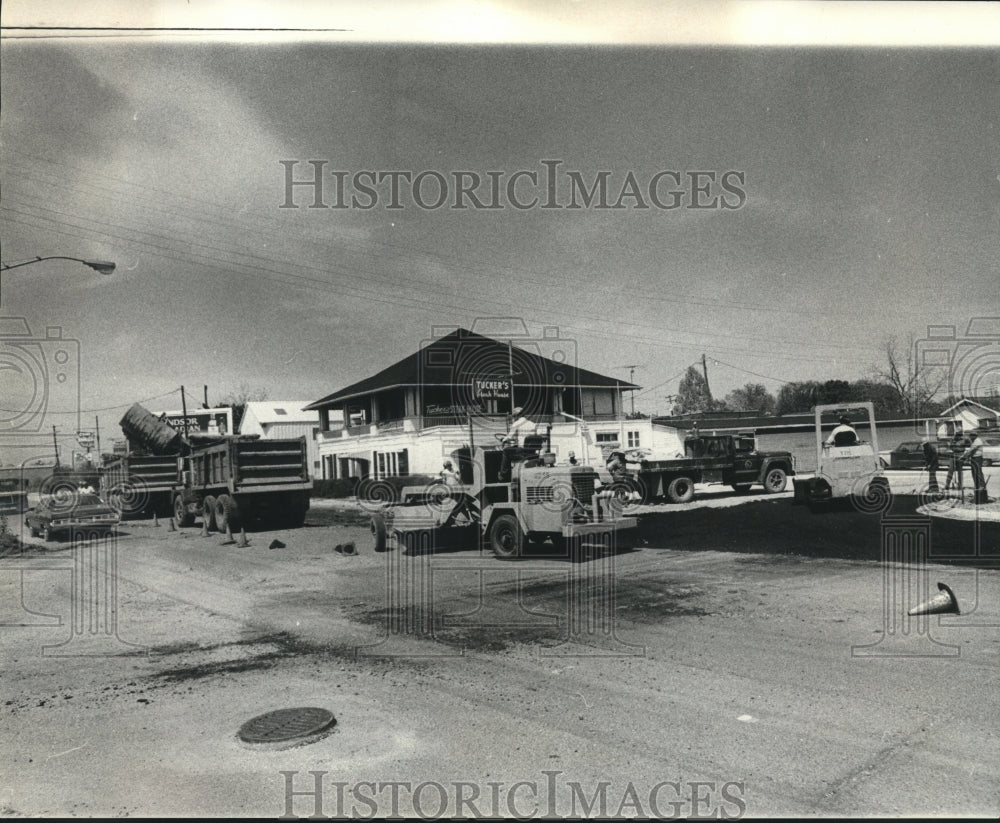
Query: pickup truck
(716, 458)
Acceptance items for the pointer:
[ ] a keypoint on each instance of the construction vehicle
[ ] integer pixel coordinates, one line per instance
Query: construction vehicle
(708, 458)
(506, 498)
(138, 485)
(848, 468)
(242, 479)
(227, 480)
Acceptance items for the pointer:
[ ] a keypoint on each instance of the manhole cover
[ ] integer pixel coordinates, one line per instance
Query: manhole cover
(285, 725)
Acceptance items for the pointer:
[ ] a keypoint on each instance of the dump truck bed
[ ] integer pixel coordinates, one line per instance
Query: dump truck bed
(251, 465)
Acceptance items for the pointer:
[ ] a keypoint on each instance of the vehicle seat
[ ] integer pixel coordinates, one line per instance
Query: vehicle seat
(845, 439)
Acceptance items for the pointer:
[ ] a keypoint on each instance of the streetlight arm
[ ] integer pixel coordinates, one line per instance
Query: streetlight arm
(101, 266)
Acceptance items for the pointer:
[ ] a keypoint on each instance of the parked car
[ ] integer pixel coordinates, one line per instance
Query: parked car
(910, 455)
(991, 451)
(64, 513)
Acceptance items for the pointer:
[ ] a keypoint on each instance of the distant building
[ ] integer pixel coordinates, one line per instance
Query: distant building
(972, 414)
(276, 419)
(461, 388)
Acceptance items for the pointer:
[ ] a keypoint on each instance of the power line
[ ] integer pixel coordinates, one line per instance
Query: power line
(105, 408)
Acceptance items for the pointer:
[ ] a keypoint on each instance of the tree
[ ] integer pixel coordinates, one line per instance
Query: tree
(693, 395)
(913, 384)
(751, 397)
(237, 401)
(799, 396)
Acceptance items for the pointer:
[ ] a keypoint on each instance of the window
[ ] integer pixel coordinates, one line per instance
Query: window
(633, 440)
(606, 437)
(280, 411)
(391, 464)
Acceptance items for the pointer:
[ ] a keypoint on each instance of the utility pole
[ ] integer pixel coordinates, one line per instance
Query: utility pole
(206, 396)
(97, 429)
(704, 370)
(510, 372)
(55, 445)
(631, 375)
(184, 411)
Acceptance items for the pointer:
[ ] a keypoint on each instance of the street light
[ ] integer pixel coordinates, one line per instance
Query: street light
(101, 266)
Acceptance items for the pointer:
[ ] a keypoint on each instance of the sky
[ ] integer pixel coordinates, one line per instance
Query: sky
(849, 166)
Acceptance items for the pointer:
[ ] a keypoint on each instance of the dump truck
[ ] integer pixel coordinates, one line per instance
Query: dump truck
(141, 485)
(141, 482)
(708, 458)
(243, 479)
(227, 480)
(505, 499)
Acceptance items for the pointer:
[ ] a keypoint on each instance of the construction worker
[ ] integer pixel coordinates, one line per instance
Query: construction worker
(974, 454)
(959, 443)
(448, 474)
(572, 458)
(931, 462)
(844, 434)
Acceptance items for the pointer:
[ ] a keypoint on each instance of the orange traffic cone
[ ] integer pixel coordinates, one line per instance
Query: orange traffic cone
(243, 539)
(944, 602)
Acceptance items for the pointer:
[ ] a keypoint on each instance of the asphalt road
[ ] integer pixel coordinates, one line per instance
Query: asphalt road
(746, 657)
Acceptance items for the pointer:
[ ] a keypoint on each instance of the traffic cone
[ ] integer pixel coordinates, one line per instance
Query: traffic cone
(243, 539)
(173, 527)
(944, 602)
(229, 536)
(204, 527)
(156, 522)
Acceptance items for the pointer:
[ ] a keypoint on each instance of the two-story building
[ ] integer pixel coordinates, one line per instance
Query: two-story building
(461, 389)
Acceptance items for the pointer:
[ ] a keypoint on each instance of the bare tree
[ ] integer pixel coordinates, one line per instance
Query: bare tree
(237, 400)
(913, 384)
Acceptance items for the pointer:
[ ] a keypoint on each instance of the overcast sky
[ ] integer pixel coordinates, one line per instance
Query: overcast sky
(866, 186)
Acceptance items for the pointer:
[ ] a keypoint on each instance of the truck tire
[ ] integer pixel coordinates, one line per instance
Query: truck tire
(181, 514)
(208, 512)
(227, 513)
(775, 480)
(506, 537)
(680, 490)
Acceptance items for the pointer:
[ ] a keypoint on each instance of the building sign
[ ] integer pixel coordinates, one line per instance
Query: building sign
(86, 440)
(211, 421)
(432, 409)
(490, 387)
